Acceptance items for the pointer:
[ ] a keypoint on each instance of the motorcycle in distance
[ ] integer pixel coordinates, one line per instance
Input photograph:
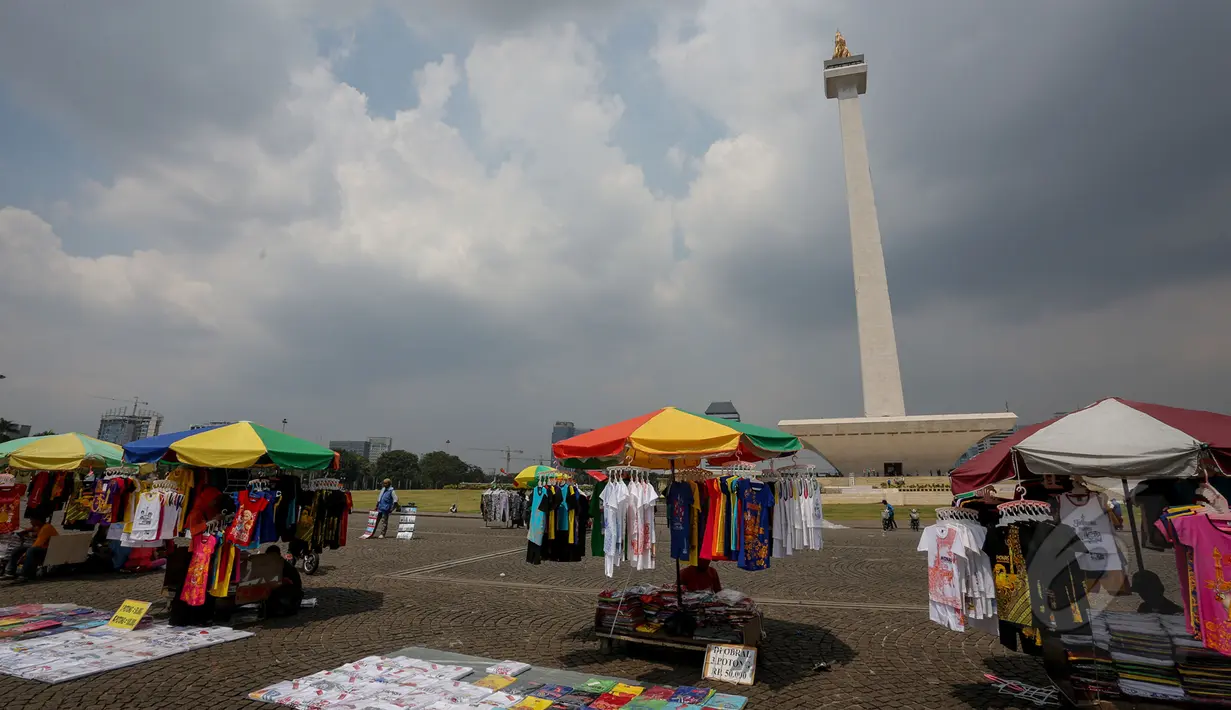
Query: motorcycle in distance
(914, 519)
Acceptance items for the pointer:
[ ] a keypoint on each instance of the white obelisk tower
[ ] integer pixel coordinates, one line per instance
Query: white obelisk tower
(885, 440)
(845, 79)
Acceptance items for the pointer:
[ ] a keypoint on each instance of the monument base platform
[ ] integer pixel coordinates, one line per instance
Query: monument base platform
(922, 444)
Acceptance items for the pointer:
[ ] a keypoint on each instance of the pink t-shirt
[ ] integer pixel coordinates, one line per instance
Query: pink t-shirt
(1211, 545)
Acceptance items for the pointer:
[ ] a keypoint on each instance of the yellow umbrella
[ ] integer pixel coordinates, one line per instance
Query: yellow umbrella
(60, 452)
(528, 475)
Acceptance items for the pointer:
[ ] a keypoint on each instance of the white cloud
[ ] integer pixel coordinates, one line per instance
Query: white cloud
(292, 246)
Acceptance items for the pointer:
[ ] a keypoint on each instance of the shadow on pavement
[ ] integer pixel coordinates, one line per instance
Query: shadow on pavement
(331, 603)
(1022, 669)
(790, 653)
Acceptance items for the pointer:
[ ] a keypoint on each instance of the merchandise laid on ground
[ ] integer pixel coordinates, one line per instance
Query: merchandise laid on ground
(429, 680)
(54, 643)
(1028, 570)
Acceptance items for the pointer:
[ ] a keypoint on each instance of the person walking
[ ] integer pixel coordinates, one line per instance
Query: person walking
(385, 504)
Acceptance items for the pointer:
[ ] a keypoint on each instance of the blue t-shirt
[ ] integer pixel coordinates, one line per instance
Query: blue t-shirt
(679, 504)
(538, 517)
(756, 499)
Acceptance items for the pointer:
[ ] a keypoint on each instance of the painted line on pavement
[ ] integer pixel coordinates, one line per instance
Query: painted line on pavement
(449, 564)
(411, 575)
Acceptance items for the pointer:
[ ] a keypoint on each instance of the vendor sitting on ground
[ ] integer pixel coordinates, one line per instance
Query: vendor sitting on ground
(285, 600)
(700, 578)
(33, 549)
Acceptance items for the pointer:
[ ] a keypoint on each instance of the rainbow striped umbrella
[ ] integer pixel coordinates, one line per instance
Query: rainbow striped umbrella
(239, 445)
(667, 435)
(60, 452)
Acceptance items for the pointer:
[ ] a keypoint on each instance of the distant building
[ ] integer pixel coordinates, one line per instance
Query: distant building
(119, 427)
(722, 410)
(984, 444)
(565, 430)
(356, 447)
(207, 425)
(378, 445)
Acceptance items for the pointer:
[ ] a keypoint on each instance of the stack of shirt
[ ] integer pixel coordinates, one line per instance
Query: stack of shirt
(1142, 651)
(1090, 657)
(1204, 673)
(619, 612)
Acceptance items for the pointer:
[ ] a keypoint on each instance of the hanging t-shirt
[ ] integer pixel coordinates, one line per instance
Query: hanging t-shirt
(538, 517)
(1210, 542)
(1004, 547)
(712, 548)
(944, 592)
(679, 513)
(147, 517)
(10, 507)
(1089, 520)
(596, 514)
(615, 502)
(756, 501)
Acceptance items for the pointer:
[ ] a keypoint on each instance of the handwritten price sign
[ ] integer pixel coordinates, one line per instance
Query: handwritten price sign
(730, 663)
(129, 615)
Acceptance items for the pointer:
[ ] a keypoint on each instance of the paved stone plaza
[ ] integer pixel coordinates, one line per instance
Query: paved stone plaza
(860, 605)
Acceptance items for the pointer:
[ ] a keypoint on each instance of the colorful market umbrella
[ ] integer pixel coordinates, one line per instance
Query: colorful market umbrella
(667, 435)
(528, 475)
(1111, 439)
(239, 445)
(60, 452)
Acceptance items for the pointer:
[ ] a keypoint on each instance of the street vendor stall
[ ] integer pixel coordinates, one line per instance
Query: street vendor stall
(1044, 570)
(230, 519)
(53, 470)
(710, 517)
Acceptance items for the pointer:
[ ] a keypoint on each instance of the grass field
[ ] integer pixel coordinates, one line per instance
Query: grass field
(430, 501)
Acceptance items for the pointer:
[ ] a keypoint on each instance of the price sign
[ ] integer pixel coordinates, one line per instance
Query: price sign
(129, 614)
(730, 663)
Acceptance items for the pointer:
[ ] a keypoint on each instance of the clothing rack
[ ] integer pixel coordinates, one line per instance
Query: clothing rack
(950, 514)
(327, 483)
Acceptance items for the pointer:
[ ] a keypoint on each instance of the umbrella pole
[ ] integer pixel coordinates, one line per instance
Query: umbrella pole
(1132, 524)
(679, 596)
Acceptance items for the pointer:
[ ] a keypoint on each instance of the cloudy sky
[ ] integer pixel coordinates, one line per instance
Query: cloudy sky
(466, 219)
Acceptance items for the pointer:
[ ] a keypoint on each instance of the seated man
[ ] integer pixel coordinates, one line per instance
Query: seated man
(701, 578)
(285, 600)
(30, 555)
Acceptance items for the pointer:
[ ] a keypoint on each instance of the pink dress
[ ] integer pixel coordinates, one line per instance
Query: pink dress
(1210, 542)
(197, 581)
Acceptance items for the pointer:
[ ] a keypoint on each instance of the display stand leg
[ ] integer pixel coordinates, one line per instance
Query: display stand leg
(1132, 525)
(679, 595)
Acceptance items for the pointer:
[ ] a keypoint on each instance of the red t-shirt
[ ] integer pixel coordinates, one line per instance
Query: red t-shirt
(695, 579)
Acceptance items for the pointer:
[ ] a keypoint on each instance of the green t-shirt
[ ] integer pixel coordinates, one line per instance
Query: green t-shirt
(596, 515)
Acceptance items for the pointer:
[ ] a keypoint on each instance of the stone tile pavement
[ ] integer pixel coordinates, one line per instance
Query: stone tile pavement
(859, 604)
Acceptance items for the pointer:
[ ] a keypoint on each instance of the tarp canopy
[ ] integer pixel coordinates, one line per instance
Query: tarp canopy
(1113, 438)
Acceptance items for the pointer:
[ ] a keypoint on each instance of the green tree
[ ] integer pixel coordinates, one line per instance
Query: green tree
(353, 469)
(439, 468)
(46, 433)
(399, 466)
(8, 431)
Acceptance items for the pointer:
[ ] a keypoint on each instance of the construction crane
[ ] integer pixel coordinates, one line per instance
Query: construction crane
(508, 456)
(136, 401)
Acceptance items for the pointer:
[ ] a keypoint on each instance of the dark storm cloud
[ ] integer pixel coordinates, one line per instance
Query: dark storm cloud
(1034, 158)
(134, 75)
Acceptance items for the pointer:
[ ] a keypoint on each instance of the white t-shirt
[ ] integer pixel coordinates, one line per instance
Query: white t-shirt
(614, 500)
(1089, 520)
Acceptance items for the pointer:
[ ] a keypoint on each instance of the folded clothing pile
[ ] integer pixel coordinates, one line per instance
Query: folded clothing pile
(619, 612)
(1204, 672)
(1090, 657)
(1142, 651)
